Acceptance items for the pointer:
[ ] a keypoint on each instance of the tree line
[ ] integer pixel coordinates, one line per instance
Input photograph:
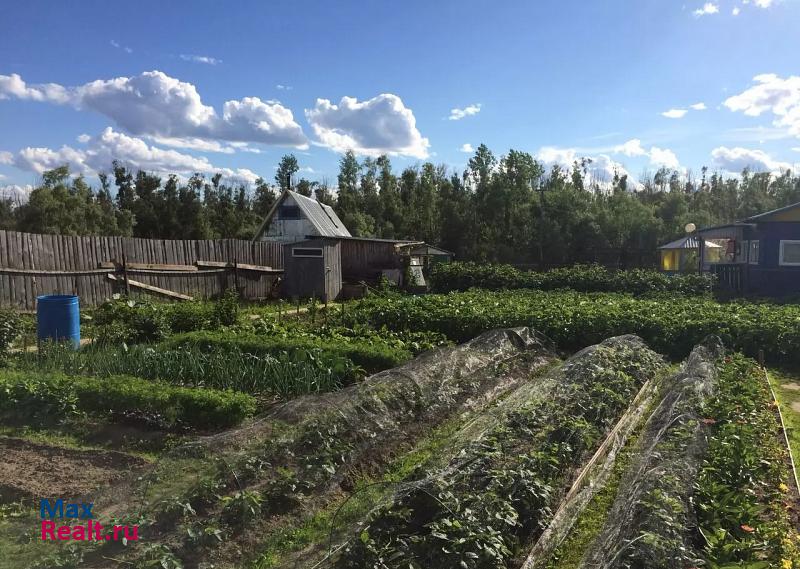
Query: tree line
(499, 209)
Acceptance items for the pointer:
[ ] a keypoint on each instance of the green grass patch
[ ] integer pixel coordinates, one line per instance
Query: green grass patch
(789, 400)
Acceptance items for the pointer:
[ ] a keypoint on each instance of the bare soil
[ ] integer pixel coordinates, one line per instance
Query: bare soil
(30, 470)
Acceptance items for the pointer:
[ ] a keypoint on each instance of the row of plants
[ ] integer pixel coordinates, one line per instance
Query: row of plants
(499, 490)
(282, 374)
(574, 320)
(51, 398)
(461, 276)
(369, 356)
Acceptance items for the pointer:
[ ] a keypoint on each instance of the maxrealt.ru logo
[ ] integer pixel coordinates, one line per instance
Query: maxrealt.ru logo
(78, 523)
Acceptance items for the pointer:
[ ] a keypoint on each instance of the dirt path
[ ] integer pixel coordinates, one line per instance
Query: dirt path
(31, 470)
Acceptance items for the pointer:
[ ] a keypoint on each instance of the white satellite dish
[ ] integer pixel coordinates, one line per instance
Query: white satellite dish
(690, 228)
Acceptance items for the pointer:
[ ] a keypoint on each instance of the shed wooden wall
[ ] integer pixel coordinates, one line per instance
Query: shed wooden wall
(33, 265)
(305, 277)
(364, 260)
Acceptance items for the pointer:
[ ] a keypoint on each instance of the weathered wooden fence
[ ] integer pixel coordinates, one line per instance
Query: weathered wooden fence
(92, 267)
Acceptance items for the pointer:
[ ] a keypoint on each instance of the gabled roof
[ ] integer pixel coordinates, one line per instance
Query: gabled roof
(768, 214)
(321, 216)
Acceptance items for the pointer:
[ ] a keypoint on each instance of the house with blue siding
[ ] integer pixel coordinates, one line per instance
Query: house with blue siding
(761, 254)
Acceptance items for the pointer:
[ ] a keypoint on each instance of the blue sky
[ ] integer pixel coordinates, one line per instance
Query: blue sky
(208, 86)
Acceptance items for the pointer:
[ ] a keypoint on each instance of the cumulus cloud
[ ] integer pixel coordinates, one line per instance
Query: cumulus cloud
(707, 9)
(631, 148)
(599, 172)
(771, 94)
(13, 86)
(736, 10)
(698, 107)
(6, 157)
(664, 157)
(110, 145)
(737, 159)
(674, 113)
(658, 156)
(381, 125)
(155, 104)
(467, 147)
(458, 114)
(15, 193)
(200, 59)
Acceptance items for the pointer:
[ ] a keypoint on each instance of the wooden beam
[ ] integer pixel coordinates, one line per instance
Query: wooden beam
(151, 288)
(45, 272)
(150, 267)
(240, 266)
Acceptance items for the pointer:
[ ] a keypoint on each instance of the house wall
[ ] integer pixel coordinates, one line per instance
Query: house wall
(288, 230)
(768, 277)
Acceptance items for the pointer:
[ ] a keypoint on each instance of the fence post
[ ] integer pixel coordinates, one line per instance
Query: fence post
(125, 273)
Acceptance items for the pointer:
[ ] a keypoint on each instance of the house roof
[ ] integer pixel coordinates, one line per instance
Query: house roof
(321, 216)
(768, 214)
(689, 242)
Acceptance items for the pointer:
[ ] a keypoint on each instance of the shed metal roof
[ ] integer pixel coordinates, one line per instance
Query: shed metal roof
(767, 214)
(689, 242)
(320, 215)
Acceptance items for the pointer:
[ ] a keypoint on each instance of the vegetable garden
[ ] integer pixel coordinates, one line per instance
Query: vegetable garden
(579, 418)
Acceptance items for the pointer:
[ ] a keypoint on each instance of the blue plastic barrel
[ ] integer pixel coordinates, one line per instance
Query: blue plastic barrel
(58, 318)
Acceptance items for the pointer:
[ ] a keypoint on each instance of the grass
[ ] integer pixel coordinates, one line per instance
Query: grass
(786, 399)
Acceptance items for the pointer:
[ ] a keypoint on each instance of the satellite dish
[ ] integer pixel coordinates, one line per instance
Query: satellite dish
(690, 228)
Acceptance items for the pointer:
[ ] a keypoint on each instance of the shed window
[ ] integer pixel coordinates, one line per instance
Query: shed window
(754, 247)
(289, 212)
(790, 253)
(306, 252)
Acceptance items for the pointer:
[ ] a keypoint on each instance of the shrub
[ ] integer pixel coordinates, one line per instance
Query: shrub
(49, 397)
(225, 311)
(10, 329)
(447, 277)
(372, 357)
(134, 320)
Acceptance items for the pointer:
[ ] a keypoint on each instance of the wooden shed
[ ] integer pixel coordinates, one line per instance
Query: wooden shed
(312, 268)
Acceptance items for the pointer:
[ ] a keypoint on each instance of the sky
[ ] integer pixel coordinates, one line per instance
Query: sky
(231, 87)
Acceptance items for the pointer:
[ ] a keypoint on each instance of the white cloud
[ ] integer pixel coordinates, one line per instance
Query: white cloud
(14, 86)
(698, 107)
(133, 152)
(674, 113)
(737, 159)
(283, 87)
(83, 138)
(15, 192)
(760, 3)
(200, 59)
(772, 94)
(6, 157)
(199, 144)
(631, 148)
(664, 157)
(708, 8)
(458, 114)
(117, 45)
(381, 125)
(658, 156)
(467, 147)
(736, 10)
(155, 104)
(600, 172)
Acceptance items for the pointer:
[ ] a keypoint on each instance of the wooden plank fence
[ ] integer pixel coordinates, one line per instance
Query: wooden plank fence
(33, 265)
